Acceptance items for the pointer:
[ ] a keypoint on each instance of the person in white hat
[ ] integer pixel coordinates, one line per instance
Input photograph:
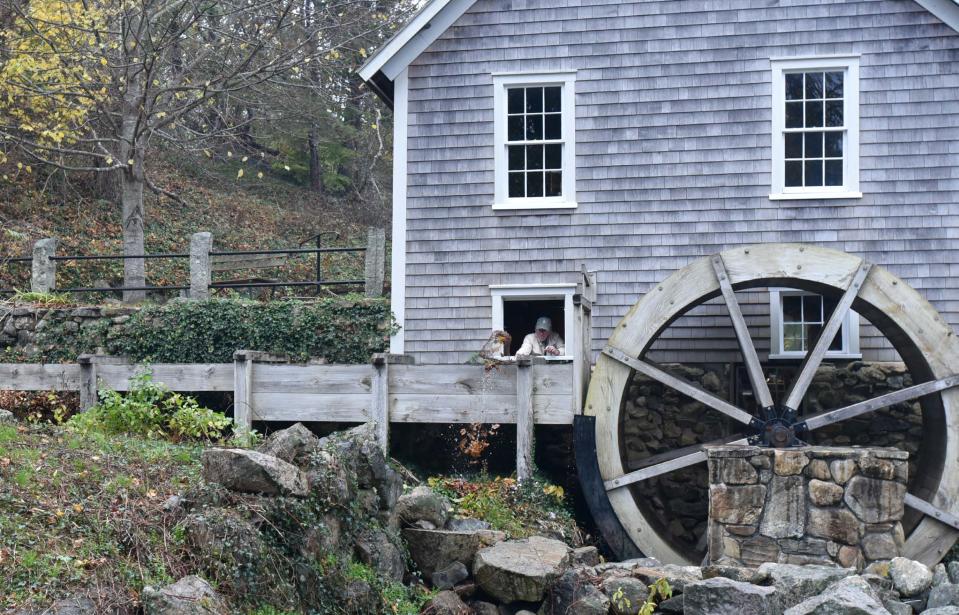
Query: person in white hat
(543, 341)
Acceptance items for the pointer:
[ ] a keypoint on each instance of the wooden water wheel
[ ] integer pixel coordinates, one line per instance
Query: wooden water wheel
(923, 339)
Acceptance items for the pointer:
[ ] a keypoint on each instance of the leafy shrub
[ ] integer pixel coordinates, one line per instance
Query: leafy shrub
(150, 409)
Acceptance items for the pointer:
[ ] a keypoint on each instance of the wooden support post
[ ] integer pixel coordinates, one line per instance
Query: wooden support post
(375, 265)
(524, 418)
(380, 400)
(242, 390)
(88, 381)
(43, 278)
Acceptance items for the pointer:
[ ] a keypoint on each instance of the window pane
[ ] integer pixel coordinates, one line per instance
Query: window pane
(514, 128)
(534, 128)
(554, 183)
(554, 128)
(792, 308)
(828, 306)
(812, 308)
(833, 113)
(514, 98)
(814, 144)
(834, 172)
(794, 86)
(813, 173)
(813, 114)
(792, 338)
(553, 100)
(833, 144)
(534, 100)
(836, 341)
(833, 85)
(793, 145)
(517, 187)
(813, 85)
(516, 158)
(794, 115)
(534, 184)
(534, 156)
(794, 173)
(812, 334)
(554, 156)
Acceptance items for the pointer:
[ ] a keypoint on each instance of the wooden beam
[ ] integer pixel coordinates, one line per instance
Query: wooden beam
(813, 358)
(242, 390)
(675, 463)
(682, 386)
(931, 511)
(524, 419)
(751, 360)
(380, 401)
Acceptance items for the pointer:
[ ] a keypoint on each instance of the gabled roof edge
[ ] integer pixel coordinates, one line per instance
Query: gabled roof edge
(946, 10)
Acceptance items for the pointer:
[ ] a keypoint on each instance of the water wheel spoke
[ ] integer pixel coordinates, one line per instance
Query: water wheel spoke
(674, 460)
(750, 358)
(813, 358)
(876, 403)
(652, 460)
(931, 511)
(684, 387)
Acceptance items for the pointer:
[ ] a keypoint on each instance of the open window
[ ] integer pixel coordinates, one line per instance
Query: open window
(516, 308)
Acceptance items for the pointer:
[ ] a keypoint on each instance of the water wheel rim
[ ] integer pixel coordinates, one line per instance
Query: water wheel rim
(925, 341)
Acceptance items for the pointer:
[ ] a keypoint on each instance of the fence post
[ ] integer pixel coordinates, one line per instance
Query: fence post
(43, 278)
(524, 418)
(380, 395)
(88, 381)
(200, 275)
(242, 390)
(375, 261)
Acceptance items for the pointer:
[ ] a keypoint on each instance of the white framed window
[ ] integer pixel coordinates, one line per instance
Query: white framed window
(815, 128)
(503, 294)
(534, 130)
(797, 317)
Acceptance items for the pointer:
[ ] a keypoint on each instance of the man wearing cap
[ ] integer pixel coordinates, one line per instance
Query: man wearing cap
(544, 341)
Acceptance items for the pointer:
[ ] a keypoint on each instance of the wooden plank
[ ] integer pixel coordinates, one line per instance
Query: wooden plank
(177, 376)
(311, 407)
(380, 401)
(39, 377)
(931, 511)
(548, 379)
(797, 389)
(547, 409)
(88, 382)
(342, 379)
(242, 388)
(236, 262)
(664, 467)
(524, 421)
(746, 346)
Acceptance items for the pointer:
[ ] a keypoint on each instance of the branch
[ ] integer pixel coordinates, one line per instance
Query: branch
(162, 191)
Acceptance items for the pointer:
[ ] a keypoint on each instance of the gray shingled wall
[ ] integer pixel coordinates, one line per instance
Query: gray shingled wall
(673, 147)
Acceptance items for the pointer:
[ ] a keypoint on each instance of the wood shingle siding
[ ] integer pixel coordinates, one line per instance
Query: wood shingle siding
(673, 158)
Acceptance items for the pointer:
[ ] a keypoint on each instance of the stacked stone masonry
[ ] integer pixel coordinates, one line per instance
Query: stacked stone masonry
(809, 505)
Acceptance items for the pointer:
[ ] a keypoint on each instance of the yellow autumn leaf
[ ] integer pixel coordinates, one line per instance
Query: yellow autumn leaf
(130, 162)
(245, 158)
(109, 160)
(239, 174)
(29, 169)
(260, 175)
(363, 51)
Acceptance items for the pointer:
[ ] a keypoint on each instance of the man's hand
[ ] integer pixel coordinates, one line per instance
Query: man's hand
(552, 350)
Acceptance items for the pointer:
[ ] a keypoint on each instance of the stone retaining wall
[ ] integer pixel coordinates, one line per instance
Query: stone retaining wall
(810, 505)
(28, 328)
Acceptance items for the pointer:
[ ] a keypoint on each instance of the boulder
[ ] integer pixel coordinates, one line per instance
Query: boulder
(447, 603)
(574, 594)
(722, 596)
(75, 605)
(940, 575)
(448, 577)
(189, 596)
(736, 573)
(329, 479)
(673, 605)
(484, 608)
(7, 418)
(626, 594)
(520, 570)
(908, 577)
(882, 546)
(849, 596)
(248, 471)
(677, 576)
(585, 556)
(797, 583)
(293, 445)
(464, 525)
(422, 503)
(375, 549)
(433, 550)
(942, 610)
(953, 569)
(946, 594)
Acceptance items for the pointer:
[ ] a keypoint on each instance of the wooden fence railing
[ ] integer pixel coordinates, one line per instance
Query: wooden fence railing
(391, 389)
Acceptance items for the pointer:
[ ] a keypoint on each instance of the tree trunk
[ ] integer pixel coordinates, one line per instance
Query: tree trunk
(316, 168)
(131, 196)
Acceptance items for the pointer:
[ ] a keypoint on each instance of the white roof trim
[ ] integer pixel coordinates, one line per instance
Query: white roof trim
(427, 25)
(946, 10)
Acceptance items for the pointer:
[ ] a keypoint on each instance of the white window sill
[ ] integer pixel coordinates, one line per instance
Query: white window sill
(799, 356)
(797, 196)
(534, 204)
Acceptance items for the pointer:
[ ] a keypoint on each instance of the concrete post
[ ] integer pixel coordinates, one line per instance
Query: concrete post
(375, 261)
(44, 275)
(200, 273)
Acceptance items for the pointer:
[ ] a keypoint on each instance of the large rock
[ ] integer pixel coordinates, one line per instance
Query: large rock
(626, 594)
(6, 417)
(736, 505)
(677, 576)
(293, 445)
(874, 500)
(574, 594)
(520, 570)
(722, 596)
(797, 583)
(447, 603)
(908, 577)
(357, 450)
(252, 472)
(189, 596)
(785, 515)
(946, 594)
(942, 610)
(835, 524)
(433, 550)
(850, 596)
(423, 504)
(881, 546)
(375, 549)
(448, 577)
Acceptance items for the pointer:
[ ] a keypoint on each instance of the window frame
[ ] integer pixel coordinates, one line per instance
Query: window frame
(849, 65)
(526, 292)
(849, 330)
(566, 80)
